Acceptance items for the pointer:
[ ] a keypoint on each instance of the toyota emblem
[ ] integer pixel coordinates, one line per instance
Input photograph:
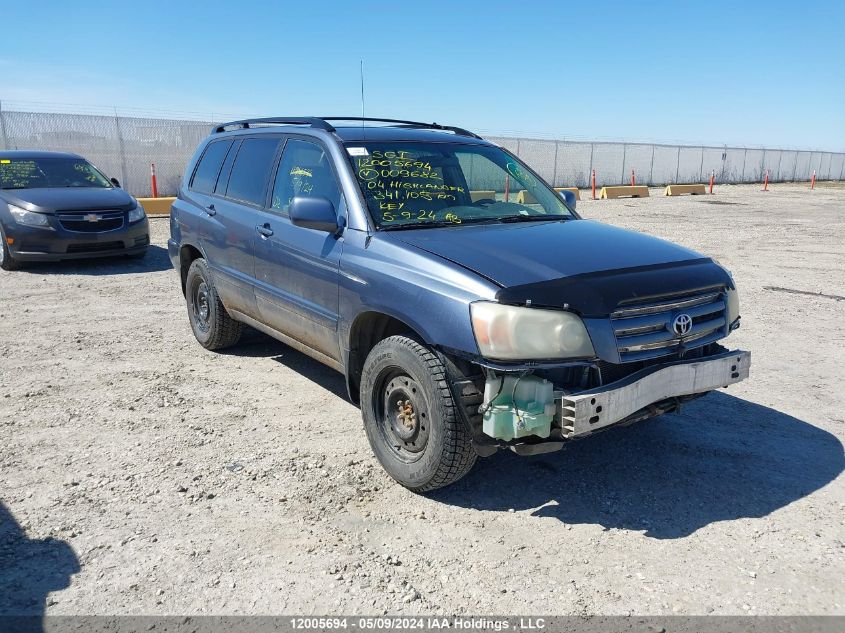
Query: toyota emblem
(682, 324)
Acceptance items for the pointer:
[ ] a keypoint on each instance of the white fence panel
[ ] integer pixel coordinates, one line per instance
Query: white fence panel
(573, 164)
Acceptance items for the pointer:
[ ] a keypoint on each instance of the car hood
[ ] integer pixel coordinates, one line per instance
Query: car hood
(49, 200)
(579, 264)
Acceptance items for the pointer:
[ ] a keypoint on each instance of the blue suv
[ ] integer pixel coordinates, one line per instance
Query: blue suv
(468, 305)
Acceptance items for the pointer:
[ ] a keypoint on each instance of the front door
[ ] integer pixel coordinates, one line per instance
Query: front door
(296, 269)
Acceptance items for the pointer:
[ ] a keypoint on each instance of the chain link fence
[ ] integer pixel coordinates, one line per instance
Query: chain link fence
(124, 147)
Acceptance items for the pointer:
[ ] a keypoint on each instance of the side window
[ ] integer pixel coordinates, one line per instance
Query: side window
(251, 168)
(205, 177)
(304, 171)
(223, 178)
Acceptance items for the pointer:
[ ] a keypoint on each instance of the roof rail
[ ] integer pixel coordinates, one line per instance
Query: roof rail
(416, 124)
(245, 123)
(323, 123)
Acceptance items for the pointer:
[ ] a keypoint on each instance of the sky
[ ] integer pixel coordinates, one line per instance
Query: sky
(738, 73)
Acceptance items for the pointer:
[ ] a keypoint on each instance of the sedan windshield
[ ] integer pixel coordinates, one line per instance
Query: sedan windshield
(428, 185)
(42, 173)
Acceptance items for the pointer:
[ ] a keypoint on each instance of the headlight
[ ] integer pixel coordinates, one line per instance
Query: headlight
(22, 216)
(136, 214)
(733, 306)
(513, 333)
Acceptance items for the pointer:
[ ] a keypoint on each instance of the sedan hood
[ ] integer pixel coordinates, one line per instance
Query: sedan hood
(578, 264)
(50, 200)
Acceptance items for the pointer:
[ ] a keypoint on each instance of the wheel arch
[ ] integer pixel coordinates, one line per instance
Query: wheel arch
(368, 329)
(187, 254)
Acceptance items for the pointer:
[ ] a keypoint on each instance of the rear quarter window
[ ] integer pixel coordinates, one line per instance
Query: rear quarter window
(208, 169)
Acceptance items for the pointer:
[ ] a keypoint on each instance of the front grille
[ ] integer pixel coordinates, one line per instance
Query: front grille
(92, 222)
(644, 330)
(96, 247)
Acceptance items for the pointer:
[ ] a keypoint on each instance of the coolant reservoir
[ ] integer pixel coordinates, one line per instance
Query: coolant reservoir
(520, 406)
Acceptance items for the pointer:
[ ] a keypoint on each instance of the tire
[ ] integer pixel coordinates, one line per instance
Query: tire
(6, 261)
(423, 447)
(212, 325)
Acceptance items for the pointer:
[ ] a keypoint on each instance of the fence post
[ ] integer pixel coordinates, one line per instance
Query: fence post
(624, 156)
(780, 160)
(121, 150)
(701, 167)
(590, 170)
(554, 169)
(3, 128)
(678, 165)
(842, 169)
(651, 168)
(744, 156)
(795, 166)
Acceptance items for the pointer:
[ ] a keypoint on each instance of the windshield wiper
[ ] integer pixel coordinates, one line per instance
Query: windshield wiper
(533, 218)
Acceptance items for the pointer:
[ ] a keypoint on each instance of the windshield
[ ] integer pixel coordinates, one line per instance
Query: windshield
(42, 173)
(408, 184)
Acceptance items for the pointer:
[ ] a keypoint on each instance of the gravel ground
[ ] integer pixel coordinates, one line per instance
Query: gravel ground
(141, 474)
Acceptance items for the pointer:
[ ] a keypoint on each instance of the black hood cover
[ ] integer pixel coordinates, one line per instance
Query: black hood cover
(598, 294)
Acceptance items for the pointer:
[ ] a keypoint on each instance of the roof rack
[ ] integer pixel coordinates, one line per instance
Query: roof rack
(322, 123)
(402, 123)
(244, 124)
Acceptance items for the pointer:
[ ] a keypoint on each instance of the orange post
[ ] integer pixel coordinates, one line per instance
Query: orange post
(153, 183)
(633, 179)
(712, 180)
(813, 181)
(766, 181)
(593, 183)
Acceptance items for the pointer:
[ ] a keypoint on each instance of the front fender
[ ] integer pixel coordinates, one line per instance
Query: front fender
(429, 294)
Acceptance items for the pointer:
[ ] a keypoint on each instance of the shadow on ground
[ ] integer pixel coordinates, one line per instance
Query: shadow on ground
(722, 458)
(255, 344)
(155, 260)
(29, 570)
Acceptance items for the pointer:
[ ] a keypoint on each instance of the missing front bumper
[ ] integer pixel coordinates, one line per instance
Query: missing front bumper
(634, 398)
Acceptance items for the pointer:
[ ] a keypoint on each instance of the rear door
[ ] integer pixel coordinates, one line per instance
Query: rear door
(296, 269)
(239, 194)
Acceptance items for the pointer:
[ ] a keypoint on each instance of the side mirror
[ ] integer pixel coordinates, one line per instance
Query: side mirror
(115, 182)
(569, 197)
(316, 213)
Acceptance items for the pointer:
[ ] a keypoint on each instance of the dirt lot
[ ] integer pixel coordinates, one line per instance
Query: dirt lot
(142, 474)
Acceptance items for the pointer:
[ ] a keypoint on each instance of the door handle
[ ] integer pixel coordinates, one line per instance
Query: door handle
(210, 210)
(264, 230)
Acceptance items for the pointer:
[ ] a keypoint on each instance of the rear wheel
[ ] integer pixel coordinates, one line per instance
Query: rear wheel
(6, 260)
(212, 325)
(411, 420)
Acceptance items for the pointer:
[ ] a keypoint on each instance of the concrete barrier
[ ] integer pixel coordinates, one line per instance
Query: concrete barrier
(639, 191)
(679, 190)
(475, 196)
(523, 197)
(574, 190)
(156, 206)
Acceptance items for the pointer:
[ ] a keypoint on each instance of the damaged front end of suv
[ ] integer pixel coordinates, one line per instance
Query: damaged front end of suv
(560, 369)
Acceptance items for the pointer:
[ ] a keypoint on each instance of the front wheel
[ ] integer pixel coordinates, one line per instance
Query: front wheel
(411, 420)
(6, 260)
(212, 325)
